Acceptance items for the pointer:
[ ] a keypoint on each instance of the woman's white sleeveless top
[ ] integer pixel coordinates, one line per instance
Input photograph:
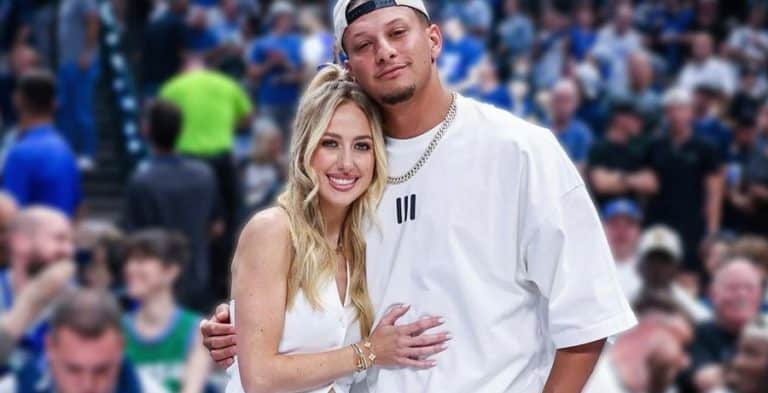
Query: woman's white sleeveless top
(307, 330)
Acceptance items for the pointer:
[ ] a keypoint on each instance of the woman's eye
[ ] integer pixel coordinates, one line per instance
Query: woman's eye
(363, 146)
(329, 143)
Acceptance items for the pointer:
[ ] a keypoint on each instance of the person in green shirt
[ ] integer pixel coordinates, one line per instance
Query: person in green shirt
(161, 337)
(213, 106)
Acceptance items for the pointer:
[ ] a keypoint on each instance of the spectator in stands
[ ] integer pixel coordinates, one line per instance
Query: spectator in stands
(200, 38)
(689, 175)
(756, 177)
(614, 167)
(648, 357)
(78, 34)
(39, 237)
(749, 43)
(515, 34)
(85, 352)
(22, 58)
(748, 371)
(477, 16)
(163, 47)
(640, 89)
(8, 211)
(488, 88)
(573, 134)
(705, 67)
(709, 108)
(753, 248)
(661, 255)
(736, 293)
(615, 42)
(582, 34)
(154, 261)
(173, 192)
(621, 221)
(550, 49)
(737, 210)
(275, 67)
(317, 46)
(263, 173)
(461, 54)
(40, 167)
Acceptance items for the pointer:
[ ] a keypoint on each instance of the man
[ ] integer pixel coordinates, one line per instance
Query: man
(38, 238)
(499, 234)
(648, 357)
(614, 167)
(40, 167)
(615, 41)
(660, 257)
(85, 352)
(78, 34)
(748, 371)
(213, 106)
(574, 135)
(621, 221)
(275, 65)
(705, 66)
(21, 59)
(736, 293)
(689, 176)
(163, 47)
(168, 191)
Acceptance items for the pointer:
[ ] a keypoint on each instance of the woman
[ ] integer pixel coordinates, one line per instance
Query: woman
(299, 269)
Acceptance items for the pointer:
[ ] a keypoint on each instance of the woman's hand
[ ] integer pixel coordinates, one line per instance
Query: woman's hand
(407, 345)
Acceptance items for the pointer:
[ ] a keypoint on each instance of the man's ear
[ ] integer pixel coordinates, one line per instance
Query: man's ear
(435, 41)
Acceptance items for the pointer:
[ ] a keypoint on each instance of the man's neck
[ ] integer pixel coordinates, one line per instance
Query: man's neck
(27, 122)
(423, 112)
(616, 137)
(681, 136)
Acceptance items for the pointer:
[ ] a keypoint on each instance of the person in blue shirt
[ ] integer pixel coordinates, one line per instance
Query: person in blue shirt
(200, 37)
(707, 99)
(461, 52)
(515, 33)
(489, 89)
(575, 136)
(40, 168)
(582, 33)
(275, 65)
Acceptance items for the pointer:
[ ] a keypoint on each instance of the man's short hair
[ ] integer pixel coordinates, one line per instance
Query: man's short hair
(37, 89)
(164, 120)
(170, 248)
(87, 312)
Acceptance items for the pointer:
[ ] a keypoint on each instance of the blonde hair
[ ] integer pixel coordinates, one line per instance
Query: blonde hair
(314, 260)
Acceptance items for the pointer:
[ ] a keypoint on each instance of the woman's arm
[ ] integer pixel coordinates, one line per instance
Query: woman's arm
(260, 273)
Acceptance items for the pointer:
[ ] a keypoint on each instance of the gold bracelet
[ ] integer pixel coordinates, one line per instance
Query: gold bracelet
(361, 365)
(371, 355)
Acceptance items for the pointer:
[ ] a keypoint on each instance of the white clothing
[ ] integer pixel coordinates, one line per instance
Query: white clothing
(613, 49)
(497, 234)
(690, 305)
(711, 70)
(307, 330)
(629, 279)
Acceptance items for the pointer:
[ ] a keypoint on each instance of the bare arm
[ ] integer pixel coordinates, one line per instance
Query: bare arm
(606, 181)
(197, 368)
(260, 275)
(715, 185)
(572, 367)
(644, 182)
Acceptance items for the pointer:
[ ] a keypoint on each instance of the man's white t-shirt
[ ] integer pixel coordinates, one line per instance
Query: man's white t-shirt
(497, 234)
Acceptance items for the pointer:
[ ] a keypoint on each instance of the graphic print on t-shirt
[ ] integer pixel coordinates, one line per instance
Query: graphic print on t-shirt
(406, 208)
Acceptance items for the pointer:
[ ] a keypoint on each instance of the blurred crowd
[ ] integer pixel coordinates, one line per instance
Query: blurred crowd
(661, 104)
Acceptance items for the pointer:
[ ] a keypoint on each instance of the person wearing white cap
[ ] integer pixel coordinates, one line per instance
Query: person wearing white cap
(485, 221)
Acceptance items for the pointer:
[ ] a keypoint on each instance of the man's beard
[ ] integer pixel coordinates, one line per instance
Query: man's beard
(400, 96)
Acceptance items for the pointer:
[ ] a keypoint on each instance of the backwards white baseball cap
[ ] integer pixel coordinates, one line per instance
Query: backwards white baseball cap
(343, 16)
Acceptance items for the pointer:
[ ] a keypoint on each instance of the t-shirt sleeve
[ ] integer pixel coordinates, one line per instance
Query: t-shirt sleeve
(566, 255)
(711, 160)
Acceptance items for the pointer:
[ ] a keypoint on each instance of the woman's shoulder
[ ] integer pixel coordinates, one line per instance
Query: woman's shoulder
(272, 222)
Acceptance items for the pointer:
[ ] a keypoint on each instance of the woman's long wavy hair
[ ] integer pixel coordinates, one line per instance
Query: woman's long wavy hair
(314, 260)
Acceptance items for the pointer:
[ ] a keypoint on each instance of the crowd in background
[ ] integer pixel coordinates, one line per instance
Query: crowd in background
(661, 104)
